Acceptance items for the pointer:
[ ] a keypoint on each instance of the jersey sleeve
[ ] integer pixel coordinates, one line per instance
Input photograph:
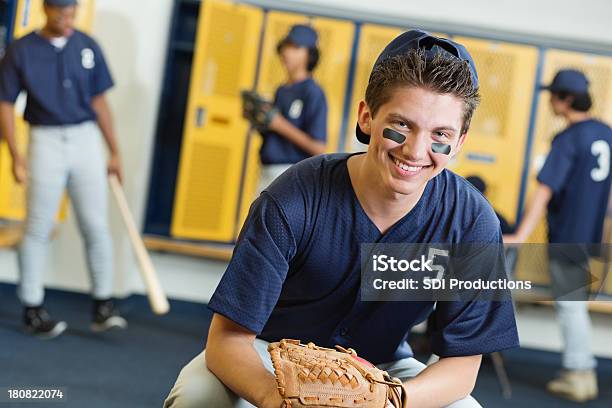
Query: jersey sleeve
(276, 94)
(486, 324)
(252, 283)
(465, 328)
(558, 165)
(102, 79)
(316, 115)
(10, 79)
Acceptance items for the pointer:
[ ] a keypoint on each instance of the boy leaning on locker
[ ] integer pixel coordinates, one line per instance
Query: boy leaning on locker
(294, 125)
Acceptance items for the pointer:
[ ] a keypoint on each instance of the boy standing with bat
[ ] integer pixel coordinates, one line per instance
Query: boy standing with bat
(65, 76)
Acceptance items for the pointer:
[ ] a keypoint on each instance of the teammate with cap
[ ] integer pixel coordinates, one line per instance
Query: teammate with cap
(573, 189)
(64, 74)
(295, 271)
(295, 127)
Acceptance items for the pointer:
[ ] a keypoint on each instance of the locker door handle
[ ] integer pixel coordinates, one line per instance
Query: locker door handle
(220, 120)
(200, 116)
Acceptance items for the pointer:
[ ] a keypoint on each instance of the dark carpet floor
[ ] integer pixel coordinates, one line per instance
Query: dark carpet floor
(136, 368)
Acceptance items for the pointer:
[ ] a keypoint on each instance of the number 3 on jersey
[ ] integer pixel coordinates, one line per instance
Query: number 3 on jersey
(601, 150)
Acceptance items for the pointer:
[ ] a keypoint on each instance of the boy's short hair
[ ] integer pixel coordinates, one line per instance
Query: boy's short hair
(313, 58)
(581, 101)
(443, 74)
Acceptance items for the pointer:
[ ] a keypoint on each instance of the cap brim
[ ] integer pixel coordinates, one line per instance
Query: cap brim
(288, 40)
(361, 136)
(546, 88)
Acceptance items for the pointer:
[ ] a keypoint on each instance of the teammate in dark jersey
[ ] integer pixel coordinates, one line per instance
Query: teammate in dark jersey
(299, 130)
(65, 76)
(574, 186)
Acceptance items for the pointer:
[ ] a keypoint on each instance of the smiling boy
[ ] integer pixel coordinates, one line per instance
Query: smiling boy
(295, 271)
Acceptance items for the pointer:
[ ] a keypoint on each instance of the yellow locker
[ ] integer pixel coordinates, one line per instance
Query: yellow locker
(85, 15)
(495, 147)
(372, 40)
(12, 195)
(599, 72)
(215, 134)
(29, 16)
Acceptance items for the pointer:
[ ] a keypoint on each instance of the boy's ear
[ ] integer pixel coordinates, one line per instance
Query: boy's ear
(460, 143)
(364, 118)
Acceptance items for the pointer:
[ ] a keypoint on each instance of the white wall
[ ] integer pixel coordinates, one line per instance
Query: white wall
(133, 34)
(585, 20)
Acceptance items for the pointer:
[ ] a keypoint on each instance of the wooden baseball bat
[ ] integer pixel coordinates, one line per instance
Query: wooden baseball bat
(155, 293)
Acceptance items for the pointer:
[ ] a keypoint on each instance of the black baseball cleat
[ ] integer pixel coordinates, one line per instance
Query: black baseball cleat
(106, 317)
(38, 322)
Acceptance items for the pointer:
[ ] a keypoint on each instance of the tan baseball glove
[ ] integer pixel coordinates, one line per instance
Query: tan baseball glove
(317, 377)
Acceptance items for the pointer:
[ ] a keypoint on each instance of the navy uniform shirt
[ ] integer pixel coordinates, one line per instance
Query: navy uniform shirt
(60, 82)
(577, 170)
(295, 271)
(304, 105)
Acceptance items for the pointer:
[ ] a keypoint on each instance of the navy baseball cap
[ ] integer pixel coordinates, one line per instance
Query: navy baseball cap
(301, 35)
(432, 45)
(61, 3)
(568, 80)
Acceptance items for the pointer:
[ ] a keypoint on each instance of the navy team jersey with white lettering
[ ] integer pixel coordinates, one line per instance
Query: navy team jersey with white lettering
(304, 105)
(577, 170)
(295, 271)
(60, 82)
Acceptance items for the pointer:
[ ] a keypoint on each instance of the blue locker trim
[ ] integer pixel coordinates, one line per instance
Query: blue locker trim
(262, 34)
(349, 90)
(482, 158)
(162, 179)
(530, 135)
(10, 27)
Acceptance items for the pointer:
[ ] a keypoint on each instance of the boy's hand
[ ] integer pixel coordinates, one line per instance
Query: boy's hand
(273, 400)
(114, 167)
(512, 239)
(20, 169)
